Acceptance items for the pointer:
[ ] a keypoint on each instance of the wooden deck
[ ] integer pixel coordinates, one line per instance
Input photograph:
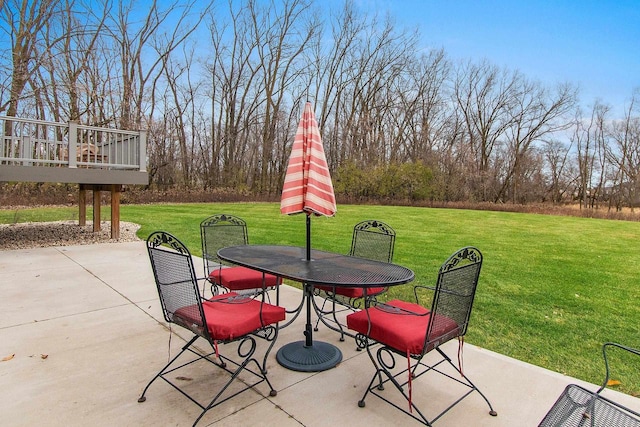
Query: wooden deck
(97, 159)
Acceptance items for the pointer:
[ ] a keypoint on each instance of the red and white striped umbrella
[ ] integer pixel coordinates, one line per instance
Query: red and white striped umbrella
(307, 188)
(307, 184)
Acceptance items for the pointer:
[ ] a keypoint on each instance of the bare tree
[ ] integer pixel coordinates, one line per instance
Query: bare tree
(235, 100)
(423, 97)
(180, 108)
(535, 113)
(282, 34)
(624, 155)
(331, 73)
(142, 49)
(64, 83)
(485, 96)
(561, 176)
(23, 21)
(588, 138)
(162, 153)
(369, 108)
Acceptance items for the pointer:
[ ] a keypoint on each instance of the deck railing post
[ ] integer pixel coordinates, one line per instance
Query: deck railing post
(72, 149)
(143, 150)
(26, 150)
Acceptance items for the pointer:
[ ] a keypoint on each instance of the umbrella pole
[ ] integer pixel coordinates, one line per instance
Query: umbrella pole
(308, 237)
(307, 289)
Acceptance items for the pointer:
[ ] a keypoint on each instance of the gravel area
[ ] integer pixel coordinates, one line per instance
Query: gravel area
(61, 233)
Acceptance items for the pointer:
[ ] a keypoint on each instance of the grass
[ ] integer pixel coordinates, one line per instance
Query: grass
(552, 288)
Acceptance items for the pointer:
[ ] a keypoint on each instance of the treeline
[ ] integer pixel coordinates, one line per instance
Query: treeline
(220, 89)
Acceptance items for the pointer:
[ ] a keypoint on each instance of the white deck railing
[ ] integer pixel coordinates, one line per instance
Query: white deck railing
(40, 143)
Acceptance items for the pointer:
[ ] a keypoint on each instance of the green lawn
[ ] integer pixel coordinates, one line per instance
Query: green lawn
(552, 288)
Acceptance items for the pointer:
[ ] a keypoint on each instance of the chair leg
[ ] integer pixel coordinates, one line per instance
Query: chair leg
(335, 319)
(162, 371)
(321, 313)
(470, 384)
(246, 350)
(385, 363)
(243, 366)
(361, 402)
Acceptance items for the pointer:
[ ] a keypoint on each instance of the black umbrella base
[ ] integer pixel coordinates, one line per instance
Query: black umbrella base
(320, 356)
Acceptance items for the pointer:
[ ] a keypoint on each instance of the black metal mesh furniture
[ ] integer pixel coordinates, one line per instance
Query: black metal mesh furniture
(409, 330)
(372, 239)
(579, 407)
(223, 230)
(224, 319)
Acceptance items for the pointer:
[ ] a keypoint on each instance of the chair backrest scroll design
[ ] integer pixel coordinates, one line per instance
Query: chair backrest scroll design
(374, 240)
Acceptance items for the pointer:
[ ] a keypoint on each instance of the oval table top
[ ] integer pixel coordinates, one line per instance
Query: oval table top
(324, 268)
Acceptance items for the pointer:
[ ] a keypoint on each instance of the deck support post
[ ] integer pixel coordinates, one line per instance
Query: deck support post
(82, 206)
(115, 190)
(96, 210)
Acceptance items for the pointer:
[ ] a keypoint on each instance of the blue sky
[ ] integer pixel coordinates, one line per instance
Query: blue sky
(593, 44)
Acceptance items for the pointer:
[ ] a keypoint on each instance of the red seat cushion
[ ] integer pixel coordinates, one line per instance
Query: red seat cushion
(400, 330)
(351, 292)
(240, 278)
(230, 316)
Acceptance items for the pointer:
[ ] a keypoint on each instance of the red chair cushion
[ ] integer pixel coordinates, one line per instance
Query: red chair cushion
(351, 292)
(400, 330)
(229, 316)
(240, 278)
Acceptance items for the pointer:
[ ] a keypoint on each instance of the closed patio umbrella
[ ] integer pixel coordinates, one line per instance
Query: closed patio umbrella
(307, 184)
(308, 189)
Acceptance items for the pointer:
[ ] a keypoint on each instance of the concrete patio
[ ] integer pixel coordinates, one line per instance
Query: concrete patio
(87, 334)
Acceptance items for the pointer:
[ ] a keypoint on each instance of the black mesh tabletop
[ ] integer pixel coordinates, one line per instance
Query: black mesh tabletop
(324, 268)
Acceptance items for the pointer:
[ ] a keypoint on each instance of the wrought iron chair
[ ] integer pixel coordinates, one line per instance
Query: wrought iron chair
(578, 407)
(371, 239)
(219, 231)
(223, 319)
(410, 330)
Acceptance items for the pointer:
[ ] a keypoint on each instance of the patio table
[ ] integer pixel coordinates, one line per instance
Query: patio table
(326, 268)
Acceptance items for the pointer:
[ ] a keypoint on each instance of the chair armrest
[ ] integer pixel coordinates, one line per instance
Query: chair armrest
(389, 308)
(233, 298)
(606, 360)
(418, 288)
(431, 288)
